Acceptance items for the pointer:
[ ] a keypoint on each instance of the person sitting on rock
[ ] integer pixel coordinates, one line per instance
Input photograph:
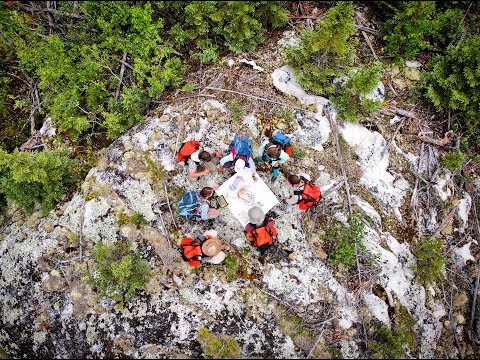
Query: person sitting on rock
(195, 205)
(273, 155)
(239, 149)
(197, 157)
(302, 191)
(205, 248)
(260, 231)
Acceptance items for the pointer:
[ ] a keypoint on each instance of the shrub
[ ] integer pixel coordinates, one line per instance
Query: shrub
(325, 51)
(453, 82)
(347, 239)
(351, 100)
(218, 347)
(430, 262)
(418, 26)
(119, 272)
(453, 160)
(30, 177)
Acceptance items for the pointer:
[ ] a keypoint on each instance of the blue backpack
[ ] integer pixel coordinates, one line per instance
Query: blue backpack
(188, 205)
(281, 139)
(241, 147)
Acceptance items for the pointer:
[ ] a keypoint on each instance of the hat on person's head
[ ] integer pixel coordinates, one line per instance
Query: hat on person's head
(306, 176)
(195, 157)
(239, 165)
(211, 247)
(256, 215)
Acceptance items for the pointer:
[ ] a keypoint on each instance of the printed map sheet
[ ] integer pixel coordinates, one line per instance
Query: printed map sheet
(242, 193)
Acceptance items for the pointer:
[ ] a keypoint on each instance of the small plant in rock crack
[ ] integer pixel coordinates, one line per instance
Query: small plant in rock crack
(430, 261)
(138, 220)
(347, 240)
(218, 346)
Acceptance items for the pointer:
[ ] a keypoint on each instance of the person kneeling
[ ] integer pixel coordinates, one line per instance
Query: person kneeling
(206, 248)
(260, 232)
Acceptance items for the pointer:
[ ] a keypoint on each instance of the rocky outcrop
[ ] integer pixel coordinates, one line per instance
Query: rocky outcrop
(48, 310)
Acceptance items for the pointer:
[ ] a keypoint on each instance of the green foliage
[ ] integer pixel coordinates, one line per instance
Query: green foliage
(430, 262)
(232, 264)
(298, 153)
(99, 67)
(138, 220)
(351, 100)
(389, 344)
(418, 26)
(30, 177)
(325, 51)
(218, 347)
(347, 240)
(120, 273)
(237, 111)
(453, 160)
(453, 82)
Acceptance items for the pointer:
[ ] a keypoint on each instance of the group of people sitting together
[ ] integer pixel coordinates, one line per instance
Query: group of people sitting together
(197, 205)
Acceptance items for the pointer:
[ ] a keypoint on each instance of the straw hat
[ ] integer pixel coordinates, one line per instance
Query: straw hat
(239, 165)
(256, 215)
(211, 247)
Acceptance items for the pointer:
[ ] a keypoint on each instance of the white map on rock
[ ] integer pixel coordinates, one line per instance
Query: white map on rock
(242, 193)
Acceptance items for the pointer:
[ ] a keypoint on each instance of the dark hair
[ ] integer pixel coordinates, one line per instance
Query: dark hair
(205, 156)
(206, 192)
(293, 179)
(273, 150)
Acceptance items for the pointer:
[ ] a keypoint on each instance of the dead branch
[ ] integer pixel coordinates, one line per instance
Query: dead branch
(253, 96)
(370, 46)
(167, 234)
(316, 343)
(82, 217)
(168, 203)
(475, 292)
(445, 142)
(393, 137)
(366, 29)
(444, 222)
(334, 128)
(414, 193)
(122, 70)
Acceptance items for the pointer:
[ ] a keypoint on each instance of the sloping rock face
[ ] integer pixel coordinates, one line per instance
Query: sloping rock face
(48, 310)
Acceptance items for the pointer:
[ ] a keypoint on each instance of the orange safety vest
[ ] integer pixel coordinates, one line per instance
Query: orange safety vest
(188, 149)
(191, 251)
(261, 236)
(311, 195)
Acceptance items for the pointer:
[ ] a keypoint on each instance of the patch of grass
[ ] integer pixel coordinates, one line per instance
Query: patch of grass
(188, 87)
(298, 153)
(218, 346)
(138, 220)
(388, 344)
(237, 111)
(232, 264)
(430, 261)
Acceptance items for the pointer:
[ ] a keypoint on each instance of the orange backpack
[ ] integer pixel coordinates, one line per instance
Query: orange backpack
(310, 196)
(191, 250)
(261, 236)
(188, 149)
